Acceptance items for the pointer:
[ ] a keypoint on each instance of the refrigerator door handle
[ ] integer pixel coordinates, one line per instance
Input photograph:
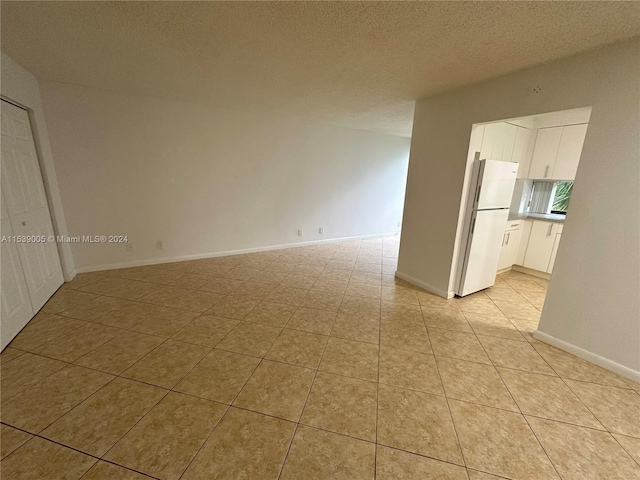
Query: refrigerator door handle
(478, 194)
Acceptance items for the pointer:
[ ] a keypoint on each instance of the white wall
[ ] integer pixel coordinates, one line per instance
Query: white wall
(593, 302)
(207, 180)
(22, 88)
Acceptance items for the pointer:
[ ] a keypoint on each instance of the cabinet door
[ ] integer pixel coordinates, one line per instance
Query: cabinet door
(540, 247)
(554, 252)
(545, 152)
(569, 152)
(493, 141)
(504, 256)
(509, 141)
(520, 148)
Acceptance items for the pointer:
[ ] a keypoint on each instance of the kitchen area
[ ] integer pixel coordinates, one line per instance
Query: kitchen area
(531, 200)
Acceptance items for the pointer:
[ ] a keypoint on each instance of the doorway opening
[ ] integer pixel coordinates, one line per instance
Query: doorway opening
(514, 268)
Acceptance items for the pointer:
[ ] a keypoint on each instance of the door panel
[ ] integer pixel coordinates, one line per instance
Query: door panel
(27, 207)
(545, 152)
(15, 304)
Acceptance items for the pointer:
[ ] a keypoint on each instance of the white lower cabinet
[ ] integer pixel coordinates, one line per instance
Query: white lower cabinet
(510, 244)
(542, 245)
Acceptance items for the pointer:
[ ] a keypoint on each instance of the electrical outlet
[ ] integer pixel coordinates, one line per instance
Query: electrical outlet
(321, 230)
(128, 247)
(300, 232)
(159, 244)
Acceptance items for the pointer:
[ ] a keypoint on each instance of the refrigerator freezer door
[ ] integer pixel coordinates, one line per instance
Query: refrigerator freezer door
(483, 250)
(496, 183)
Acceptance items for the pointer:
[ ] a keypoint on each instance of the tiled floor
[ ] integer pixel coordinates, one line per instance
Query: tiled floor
(306, 363)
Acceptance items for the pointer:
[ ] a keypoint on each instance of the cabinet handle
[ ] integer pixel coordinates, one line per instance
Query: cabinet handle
(546, 171)
(508, 236)
(549, 231)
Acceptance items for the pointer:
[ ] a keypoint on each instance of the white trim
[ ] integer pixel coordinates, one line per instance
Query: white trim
(588, 356)
(70, 275)
(182, 258)
(425, 286)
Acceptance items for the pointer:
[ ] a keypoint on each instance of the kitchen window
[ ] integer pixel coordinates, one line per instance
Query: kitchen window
(550, 197)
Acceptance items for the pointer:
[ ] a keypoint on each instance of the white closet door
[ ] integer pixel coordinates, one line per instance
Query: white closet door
(27, 206)
(15, 304)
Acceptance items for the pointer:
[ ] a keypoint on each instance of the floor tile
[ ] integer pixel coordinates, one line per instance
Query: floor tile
(197, 301)
(98, 423)
(85, 338)
(129, 315)
(207, 330)
(274, 314)
(36, 334)
(164, 442)
(9, 354)
(513, 354)
(414, 370)
(363, 306)
(351, 358)
(41, 459)
(342, 405)
(234, 306)
(312, 320)
(575, 368)
(417, 422)
(95, 309)
(430, 300)
(298, 348)
(25, 371)
(219, 376)
(399, 294)
(223, 286)
(330, 286)
(353, 327)
(167, 363)
(11, 439)
(244, 445)
(276, 389)
(320, 455)
(463, 346)
(493, 326)
(616, 408)
(547, 397)
(601, 456)
(401, 313)
(363, 290)
(405, 336)
(119, 353)
(392, 464)
(499, 442)
(108, 471)
(475, 383)
(446, 319)
(287, 294)
(165, 323)
(166, 296)
(322, 300)
(250, 339)
(40, 405)
(189, 281)
(631, 446)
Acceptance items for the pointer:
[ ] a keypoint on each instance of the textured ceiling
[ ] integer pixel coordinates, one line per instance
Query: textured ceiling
(358, 64)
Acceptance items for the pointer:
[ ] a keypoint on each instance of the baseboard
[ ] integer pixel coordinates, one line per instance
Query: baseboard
(70, 276)
(504, 270)
(183, 258)
(425, 286)
(588, 356)
(531, 271)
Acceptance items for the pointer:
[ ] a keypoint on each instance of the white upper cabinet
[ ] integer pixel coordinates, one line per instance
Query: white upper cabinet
(510, 132)
(569, 152)
(493, 141)
(545, 152)
(521, 151)
(557, 152)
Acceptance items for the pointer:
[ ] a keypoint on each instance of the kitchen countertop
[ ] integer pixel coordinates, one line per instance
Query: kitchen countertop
(550, 217)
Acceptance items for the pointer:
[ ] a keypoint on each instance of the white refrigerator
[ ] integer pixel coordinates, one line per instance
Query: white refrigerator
(491, 187)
